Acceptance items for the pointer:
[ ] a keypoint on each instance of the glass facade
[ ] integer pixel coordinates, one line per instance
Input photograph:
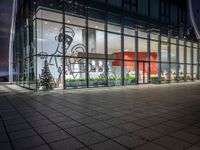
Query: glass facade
(91, 47)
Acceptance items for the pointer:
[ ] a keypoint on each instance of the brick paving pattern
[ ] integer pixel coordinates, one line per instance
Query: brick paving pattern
(144, 117)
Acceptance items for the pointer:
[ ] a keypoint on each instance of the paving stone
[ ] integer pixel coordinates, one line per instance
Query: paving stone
(76, 131)
(40, 123)
(91, 138)
(18, 127)
(150, 146)
(42, 147)
(148, 134)
(129, 127)
(98, 125)
(188, 137)
(87, 120)
(115, 121)
(146, 111)
(193, 130)
(67, 125)
(108, 145)
(174, 124)
(130, 141)
(55, 136)
(68, 144)
(172, 143)
(3, 138)
(46, 129)
(22, 134)
(193, 148)
(112, 132)
(14, 121)
(2, 130)
(5, 146)
(84, 148)
(163, 129)
(26, 143)
(144, 123)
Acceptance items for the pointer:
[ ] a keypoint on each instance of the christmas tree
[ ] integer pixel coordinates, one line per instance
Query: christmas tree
(46, 79)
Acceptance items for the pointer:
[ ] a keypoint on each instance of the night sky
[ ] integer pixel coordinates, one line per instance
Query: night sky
(5, 23)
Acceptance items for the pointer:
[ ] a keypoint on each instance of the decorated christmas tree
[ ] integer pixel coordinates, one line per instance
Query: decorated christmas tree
(46, 79)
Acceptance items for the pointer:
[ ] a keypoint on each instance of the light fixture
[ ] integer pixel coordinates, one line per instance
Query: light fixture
(100, 63)
(126, 49)
(56, 29)
(96, 26)
(68, 21)
(93, 63)
(45, 22)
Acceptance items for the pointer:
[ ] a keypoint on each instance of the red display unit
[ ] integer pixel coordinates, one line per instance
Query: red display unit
(142, 59)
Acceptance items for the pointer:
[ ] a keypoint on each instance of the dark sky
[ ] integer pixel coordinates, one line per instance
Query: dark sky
(5, 23)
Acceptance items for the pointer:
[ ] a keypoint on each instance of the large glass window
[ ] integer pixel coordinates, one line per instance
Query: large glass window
(116, 3)
(188, 54)
(143, 7)
(49, 15)
(114, 46)
(174, 14)
(129, 64)
(154, 9)
(96, 46)
(181, 54)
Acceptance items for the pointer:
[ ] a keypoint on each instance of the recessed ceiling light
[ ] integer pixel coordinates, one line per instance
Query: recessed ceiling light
(45, 22)
(68, 21)
(96, 26)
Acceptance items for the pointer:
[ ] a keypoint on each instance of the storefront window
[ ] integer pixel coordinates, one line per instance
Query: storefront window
(96, 25)
(188, 54)
(181, 54)
(114, 46)
(114, 72)
(143, 7)
(154, 9)
(97, 74)
(49, 15)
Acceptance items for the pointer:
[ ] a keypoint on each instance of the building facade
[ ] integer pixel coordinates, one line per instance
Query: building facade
(97, 43)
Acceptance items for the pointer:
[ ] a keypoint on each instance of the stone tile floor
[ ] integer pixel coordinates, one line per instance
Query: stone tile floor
(144, 117)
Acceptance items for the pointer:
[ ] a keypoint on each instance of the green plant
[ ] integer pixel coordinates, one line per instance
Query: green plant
(129, 78)
(154, 78)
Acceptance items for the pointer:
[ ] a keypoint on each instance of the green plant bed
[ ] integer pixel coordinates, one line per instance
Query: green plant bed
(99, 81)
(155, 80)
(75, 82)
(129, 80)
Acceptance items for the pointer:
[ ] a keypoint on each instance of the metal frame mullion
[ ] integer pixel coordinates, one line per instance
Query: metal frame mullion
(106, 46)
(148, 56)
(159, 57)
(63, 43)
(198, 60)
(136, 56)
(191, 61)
(177, 58)
(122, 50)
(87, 50)
(169, 55)
(185, 60)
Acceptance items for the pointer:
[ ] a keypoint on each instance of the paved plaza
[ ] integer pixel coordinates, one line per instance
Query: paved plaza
(143, 117)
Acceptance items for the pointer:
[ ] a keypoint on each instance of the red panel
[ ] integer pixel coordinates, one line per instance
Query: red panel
(141, 56)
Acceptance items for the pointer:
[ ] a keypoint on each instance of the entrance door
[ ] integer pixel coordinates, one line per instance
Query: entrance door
(142, 72)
